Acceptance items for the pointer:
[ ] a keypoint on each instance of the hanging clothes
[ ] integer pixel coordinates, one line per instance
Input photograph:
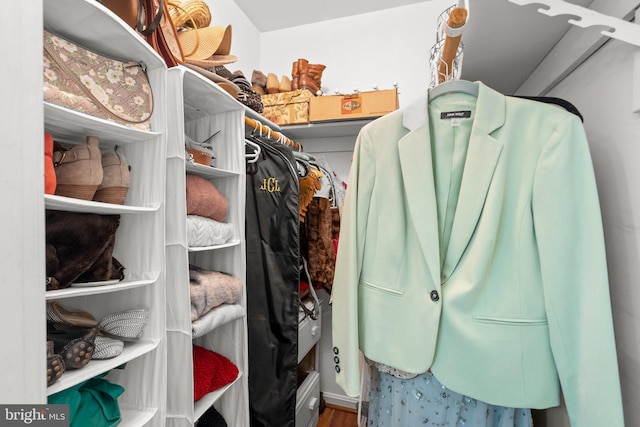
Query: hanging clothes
(472, 247)
(423, 401)
(273, 272)
(321, 225)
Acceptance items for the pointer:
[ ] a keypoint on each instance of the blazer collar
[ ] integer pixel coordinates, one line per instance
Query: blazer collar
(490, 111)
(417, 169)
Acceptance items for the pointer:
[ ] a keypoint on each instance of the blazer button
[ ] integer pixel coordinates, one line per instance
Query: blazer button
(335, 350)
(336, 359)
(338, 369)
(434, 295)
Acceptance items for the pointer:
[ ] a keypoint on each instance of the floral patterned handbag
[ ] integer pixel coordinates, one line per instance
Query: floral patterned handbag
(82, 80)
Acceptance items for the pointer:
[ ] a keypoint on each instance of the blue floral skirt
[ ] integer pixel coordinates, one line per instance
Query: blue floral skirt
(423, 401)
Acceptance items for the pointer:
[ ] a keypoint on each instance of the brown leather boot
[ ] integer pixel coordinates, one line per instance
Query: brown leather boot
(303, 66)
(316, 71)
(310, 76)
(116, 180)
(295, 75)
(79, 170)
(307, 82)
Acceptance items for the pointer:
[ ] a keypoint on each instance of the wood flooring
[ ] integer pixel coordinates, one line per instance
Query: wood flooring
(336, 416)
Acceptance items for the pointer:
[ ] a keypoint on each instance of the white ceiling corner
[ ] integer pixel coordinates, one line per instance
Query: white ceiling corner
(503, 42)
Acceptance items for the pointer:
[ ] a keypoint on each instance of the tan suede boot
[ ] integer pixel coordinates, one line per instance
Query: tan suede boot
(259, 82)
(79, 170)
(116, 181)
(285, 84)
(272, 83)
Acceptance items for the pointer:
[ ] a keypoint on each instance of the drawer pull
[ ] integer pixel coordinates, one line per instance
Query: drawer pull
(313, 403)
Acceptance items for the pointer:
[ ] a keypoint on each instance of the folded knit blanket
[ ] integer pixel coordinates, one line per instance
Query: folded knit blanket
(203, 231)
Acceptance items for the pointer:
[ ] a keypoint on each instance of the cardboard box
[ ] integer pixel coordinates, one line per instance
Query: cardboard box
(287, 108)
(354, 106)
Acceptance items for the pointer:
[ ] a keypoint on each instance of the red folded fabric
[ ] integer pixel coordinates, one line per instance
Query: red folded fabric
(211, 371)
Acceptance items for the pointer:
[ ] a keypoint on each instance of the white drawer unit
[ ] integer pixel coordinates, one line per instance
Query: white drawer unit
(308, 401)
(309, 327)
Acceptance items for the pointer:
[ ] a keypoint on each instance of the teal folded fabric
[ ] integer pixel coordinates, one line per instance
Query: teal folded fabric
(91, 403)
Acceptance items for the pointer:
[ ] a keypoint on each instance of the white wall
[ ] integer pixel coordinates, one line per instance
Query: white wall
(601, 89)
(245, 42)
(362, 51)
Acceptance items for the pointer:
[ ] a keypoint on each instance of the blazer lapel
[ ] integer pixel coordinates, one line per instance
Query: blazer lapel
(417, 172)
(482, 157)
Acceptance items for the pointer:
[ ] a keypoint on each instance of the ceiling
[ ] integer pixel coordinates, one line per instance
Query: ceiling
(278, 14)
(492, 53)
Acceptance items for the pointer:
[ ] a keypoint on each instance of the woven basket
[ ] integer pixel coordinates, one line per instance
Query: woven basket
(191, 13)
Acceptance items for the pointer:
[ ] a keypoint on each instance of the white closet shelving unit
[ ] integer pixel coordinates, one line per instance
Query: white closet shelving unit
(199, 109)
(140, 238)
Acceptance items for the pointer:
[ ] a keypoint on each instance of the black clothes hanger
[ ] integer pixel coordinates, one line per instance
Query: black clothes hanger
(557, 101)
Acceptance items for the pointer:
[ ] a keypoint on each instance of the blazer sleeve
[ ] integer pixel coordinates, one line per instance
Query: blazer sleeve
(344, 295)
(568, 229)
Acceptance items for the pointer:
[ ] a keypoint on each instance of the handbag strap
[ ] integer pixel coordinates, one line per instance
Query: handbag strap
(71, 76)
(141, 14)
(177, 5)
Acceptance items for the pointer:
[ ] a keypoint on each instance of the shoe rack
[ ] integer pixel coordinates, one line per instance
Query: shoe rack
(139, 242)
(203, 109)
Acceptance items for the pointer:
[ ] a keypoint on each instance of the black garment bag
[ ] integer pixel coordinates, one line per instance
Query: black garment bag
(273, 274)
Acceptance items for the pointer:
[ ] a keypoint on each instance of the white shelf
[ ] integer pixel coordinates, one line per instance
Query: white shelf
(127, 283)
(326, 129)
(201, 406)
(208, 171)
(72, 126)
(230, 244)
(135, 417)
(96, 367)
(70, 204)
(199, 102)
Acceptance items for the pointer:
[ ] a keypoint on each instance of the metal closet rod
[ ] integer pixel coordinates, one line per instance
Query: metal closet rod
(266, 131)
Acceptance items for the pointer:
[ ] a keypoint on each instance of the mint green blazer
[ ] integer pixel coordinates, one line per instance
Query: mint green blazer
(474, 248)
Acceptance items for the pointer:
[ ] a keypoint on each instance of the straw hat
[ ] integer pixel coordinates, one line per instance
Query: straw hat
(191, 13)
(208, 47)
